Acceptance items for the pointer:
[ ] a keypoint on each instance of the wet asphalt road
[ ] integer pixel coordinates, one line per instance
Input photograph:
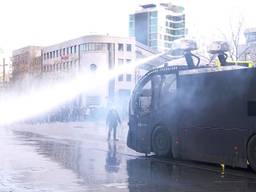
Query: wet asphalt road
(76, 157)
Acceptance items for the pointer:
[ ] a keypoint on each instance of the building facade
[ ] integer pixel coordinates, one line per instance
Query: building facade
(157, 25)
(26, 63)
(86, 55)
(248, 51)
(89, 53)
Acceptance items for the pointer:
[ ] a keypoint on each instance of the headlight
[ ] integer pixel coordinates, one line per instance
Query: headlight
(218, 46)
(184, 44)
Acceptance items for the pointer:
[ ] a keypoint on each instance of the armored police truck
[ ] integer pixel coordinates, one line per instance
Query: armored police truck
(196, 113)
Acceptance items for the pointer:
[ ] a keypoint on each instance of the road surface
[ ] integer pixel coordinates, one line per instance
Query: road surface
(76, 157)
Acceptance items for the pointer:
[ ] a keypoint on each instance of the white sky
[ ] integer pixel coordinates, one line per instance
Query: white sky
(45, 22)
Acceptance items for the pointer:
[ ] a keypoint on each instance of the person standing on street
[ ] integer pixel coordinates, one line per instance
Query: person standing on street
(112, 122)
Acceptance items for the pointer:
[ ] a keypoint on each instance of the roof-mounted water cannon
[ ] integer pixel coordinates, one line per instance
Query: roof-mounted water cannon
(220, 48)
(187, 46)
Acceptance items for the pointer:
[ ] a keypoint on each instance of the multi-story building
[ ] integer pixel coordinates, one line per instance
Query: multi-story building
(157, 25)
(83, 54)
(248, 51)
(26, 63)
(250, 35)
(5, 73)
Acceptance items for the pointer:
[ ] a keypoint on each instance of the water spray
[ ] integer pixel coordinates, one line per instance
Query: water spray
(15, 108)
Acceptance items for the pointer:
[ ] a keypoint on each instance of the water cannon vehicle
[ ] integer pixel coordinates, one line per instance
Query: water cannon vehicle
(195, 112)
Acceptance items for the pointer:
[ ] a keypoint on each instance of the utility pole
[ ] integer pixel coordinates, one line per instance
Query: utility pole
(3, 71)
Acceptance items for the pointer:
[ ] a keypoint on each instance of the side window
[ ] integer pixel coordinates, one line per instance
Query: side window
(145, 99)
(251, 108)
(168, 89)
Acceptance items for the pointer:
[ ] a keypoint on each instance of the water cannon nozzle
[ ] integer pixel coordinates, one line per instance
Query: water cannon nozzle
(218, 47)
(184, 44)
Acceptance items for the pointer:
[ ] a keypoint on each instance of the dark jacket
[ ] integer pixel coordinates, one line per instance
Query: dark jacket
(113, 118)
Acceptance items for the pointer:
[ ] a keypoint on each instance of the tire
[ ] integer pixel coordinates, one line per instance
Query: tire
(251, 153)
(161, 141)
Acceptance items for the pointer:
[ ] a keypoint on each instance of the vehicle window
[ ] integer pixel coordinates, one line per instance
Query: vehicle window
(145, 98)
(168, 88)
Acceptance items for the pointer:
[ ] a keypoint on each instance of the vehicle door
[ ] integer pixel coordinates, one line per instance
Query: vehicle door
(143, 112)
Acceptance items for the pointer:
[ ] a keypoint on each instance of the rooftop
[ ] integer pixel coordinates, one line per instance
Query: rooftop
(168, 6)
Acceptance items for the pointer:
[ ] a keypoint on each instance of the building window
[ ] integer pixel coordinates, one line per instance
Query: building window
(81, 47)
(129, 47)
(153, 14)
(75, 49)
(250, 37)
(44, 56)
(71, 49)
(131, 29)
(64, 51)
(175, 18)
(153, 36)
(120, 61)
(67, 50)
(93, 47)
(50, 55)
(176, 25)
(120, 47)
(57, 53)
(53, 54)
(120, 77)
(128, 60)
(153, 29)
(153, 43)
(168, 45)
(60, 52)
(128, 77)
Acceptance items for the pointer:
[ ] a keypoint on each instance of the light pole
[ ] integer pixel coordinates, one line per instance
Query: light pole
(3, 65)
(3, 71)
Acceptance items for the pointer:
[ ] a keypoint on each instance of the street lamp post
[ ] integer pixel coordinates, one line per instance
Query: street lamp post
(4, 73)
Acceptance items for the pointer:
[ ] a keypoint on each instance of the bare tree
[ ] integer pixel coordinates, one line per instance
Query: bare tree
(234, 39)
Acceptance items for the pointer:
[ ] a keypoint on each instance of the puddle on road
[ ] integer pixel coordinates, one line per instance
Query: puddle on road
(110, 171)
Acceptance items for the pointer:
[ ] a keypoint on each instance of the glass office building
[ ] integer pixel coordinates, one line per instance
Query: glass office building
(157, 25)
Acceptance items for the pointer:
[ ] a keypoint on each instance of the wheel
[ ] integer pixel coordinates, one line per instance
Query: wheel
(251, 153)
(161, 141)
